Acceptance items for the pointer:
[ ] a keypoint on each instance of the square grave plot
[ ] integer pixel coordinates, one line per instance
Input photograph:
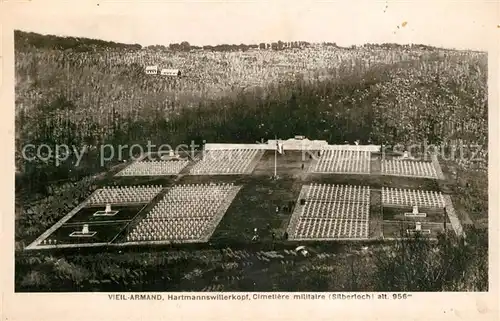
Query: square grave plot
(409, 168)
(327, 211)
(343, 161)
(187, 213)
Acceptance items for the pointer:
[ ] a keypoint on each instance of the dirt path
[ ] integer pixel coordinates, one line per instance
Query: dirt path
(452, 215)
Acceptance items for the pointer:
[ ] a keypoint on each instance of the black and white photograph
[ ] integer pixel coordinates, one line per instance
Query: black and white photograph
(264, 149)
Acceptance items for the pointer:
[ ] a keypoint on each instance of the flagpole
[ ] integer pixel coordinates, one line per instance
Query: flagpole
(275, 155)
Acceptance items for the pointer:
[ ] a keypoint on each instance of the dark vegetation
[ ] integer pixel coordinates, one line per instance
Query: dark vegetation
(29, 40)
(439, 99)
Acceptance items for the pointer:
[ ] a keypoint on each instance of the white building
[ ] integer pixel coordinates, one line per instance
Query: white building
(152, 70)
(298, 143)
(171, 72)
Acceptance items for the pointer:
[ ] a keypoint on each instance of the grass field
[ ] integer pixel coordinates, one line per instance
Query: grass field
(288, 164)
(255, 207)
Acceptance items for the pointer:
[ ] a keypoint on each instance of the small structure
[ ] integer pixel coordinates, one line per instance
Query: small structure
(415, 213)
(302, 250)
(85, 232)
(418, 229)
(170, 156)
(152, 70)
(255, 235)
(406, 155)
(171, 72)
(107, 211)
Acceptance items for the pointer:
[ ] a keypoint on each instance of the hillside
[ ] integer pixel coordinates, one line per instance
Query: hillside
(88, 92)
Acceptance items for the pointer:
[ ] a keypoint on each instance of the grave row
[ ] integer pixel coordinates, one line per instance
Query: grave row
(408, 168)
(343, 161)
(331, 229)
(351, 193)
(353, 211)
(169, 229)
(225, 161)
(183, 209)
(406, 197)
(151, 168)
(124, 194)
(199, 192)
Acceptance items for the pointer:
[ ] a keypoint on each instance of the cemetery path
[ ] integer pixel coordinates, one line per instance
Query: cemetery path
(455, 222)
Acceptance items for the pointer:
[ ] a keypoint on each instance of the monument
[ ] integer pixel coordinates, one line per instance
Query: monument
(107, 211)
(418, 229)
(415, 213)
(84, 232)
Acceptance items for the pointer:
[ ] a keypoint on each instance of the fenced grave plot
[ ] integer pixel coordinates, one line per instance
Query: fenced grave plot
(343, 161)
(331, 212)
(408, 197)
(124, 194)
(154, 168)
(227, 162)
(410, 168)
(187, 213)
(83, 234)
